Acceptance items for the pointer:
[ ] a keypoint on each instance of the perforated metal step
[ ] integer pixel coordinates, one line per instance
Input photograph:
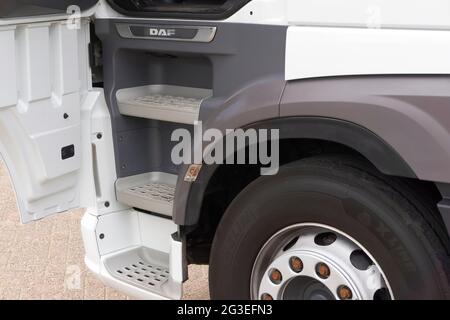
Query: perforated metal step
(162, 102)
(141, 267)
(152, 191)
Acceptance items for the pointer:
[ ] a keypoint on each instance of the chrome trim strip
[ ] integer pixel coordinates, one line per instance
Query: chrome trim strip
(204, 34)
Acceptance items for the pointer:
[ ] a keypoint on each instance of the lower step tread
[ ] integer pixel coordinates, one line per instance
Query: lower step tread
(140, 267)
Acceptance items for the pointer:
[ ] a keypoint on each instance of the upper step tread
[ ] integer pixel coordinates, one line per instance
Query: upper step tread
(168, 102)
(162, 102)
(152, 191)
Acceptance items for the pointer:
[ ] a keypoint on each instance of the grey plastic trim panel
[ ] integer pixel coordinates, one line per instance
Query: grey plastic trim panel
(202, 33)
(240, 57)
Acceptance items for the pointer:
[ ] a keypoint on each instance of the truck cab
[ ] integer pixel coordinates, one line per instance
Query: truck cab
(126, 108)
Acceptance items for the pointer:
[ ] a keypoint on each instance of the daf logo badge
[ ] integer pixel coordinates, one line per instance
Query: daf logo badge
(167, 32)
(158, 32)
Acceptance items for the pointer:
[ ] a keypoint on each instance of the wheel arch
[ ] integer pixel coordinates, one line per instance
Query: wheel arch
(352, 137)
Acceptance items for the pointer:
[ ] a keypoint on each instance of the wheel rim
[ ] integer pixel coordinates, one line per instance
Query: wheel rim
(316, 262)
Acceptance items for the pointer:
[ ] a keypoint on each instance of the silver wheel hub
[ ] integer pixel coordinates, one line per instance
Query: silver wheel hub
(316, 262)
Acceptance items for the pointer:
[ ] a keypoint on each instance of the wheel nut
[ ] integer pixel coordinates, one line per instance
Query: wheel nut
(296, 264)
(344, 293)
(266, 297)
(322, 270)
(275, 276)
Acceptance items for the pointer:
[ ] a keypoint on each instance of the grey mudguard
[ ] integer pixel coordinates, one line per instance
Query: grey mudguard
(410, 113)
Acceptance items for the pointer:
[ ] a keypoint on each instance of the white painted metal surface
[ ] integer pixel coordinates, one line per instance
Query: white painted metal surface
(262, 12)
(410, 14)
(97, 191)
(45, 80)
(110, 240)
(314, 52)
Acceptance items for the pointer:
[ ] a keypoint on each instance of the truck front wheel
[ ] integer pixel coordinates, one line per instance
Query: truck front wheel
(327, 228)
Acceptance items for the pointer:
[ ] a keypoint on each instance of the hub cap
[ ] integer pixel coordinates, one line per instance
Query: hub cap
(316, 262)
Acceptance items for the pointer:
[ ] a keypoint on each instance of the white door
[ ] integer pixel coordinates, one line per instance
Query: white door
(44, 82)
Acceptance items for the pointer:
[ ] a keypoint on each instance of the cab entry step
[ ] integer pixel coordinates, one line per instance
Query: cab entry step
(162, 102)
(152, 191)
(141, 267)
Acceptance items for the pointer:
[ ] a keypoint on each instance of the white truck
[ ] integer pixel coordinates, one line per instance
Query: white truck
(355, 93)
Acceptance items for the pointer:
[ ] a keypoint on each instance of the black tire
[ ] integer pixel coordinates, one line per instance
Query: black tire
(401, 231)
